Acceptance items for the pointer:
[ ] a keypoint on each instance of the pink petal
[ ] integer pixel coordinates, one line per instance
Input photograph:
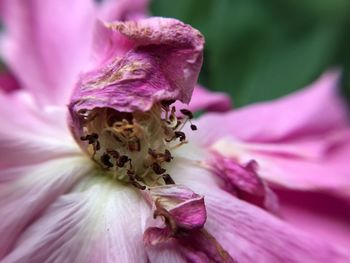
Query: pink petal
(203, 99)
(249, 233)
(299, 135)
(146, 61)
(30, 134)
(46, 44)
(26, 191)
(315, 110)
(319, 164)
(100, 221)
(322, 215)
(245, 231)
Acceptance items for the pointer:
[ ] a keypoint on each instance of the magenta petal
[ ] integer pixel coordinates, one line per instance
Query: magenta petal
(291, 138)
(46, 44)
(8, 82)
(160, 61)
(325, 216)
(297, 115)
(203, 99)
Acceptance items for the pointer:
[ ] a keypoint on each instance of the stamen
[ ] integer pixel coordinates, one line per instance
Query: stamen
(133, 147)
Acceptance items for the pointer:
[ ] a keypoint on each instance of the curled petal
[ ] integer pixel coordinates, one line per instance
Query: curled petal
(244, 181)
(144, 62)
(183, 212)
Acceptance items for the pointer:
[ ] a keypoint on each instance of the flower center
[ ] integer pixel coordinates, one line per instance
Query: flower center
(135, 147)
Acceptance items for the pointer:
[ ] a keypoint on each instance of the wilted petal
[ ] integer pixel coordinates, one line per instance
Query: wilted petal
(46, 44)
(26, 191)
(203, 99)
(100, 221)
(184, 214)
(182, 209)
(146, 61)
(315, 110)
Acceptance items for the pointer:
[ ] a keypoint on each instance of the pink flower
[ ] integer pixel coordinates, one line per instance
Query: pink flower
(122, 181)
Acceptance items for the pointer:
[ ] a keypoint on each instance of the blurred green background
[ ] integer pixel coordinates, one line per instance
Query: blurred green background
(262, 49)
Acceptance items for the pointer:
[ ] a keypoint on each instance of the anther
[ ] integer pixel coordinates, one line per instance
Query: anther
(193, 127)
(153, 153)
(131, 175)
(187, 113)
(106, 160)
(122, 161)
(158, 169)
(167, 156)
(138, 185)
(91, 138)
(115, 154)
(180, 135)
(167, 179)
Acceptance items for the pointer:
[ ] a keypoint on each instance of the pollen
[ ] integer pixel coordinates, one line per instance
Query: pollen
(136, 147)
